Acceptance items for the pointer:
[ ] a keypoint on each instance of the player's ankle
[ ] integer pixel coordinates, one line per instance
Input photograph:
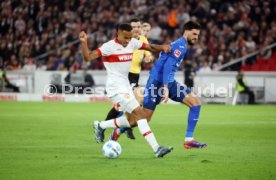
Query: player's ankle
(189, 139)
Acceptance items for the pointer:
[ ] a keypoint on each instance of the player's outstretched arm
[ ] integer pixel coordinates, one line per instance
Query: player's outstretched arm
(87, 55)
(157, 48)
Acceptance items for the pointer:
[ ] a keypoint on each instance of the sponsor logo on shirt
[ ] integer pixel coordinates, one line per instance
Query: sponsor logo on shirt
(177, 53)
(125, 57)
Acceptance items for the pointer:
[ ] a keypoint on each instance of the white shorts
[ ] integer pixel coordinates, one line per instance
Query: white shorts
(126, 101)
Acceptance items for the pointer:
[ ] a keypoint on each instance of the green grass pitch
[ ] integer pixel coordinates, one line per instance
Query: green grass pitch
(54, 141)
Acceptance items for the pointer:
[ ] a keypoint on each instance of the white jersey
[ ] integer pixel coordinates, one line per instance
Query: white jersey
(117, 60)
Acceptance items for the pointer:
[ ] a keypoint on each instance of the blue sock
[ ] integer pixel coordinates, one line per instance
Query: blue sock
(192, 121)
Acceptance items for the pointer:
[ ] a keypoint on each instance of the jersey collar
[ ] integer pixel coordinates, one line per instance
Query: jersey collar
(184, 40)
(117, 41)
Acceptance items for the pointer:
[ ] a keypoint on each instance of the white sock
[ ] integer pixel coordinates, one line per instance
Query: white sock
(146, 132)
(115, 123)
(189, 138)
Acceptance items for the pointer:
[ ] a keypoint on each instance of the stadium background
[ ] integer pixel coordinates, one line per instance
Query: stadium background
(39, 45)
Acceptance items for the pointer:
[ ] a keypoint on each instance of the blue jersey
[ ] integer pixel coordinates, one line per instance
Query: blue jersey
(166, 66)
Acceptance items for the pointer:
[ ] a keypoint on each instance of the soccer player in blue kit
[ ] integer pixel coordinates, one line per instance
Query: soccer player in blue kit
(162, 85)
(162, 77)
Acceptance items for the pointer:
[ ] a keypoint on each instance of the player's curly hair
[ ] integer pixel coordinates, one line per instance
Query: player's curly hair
(191, 25)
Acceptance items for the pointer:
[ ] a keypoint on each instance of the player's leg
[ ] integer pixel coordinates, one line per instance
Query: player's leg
(138, 93)
(132, 120)
(113, 113)
(151, 99)
(127, 103)
(123, 99)
(139, 96)
(181, 93)
(133, 80)
(116, 133)
(194, 104)
(143, 126)
(132, 106)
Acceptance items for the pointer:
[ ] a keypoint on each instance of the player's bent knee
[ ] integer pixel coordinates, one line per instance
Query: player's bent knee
(133, 123)
(131, 120)
(191, 100)
(198, 102)
(138, 113)
(148, 113)
(195, 102)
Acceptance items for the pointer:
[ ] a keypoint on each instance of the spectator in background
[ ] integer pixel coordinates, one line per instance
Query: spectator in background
(88, 79)
(243, 88)
(146, 27)
(72, 70)
(217, 64)
(189, 74)
(32, 28)
(205, 68)
(41, 66)
(5, 83)
(29, 65)
(155, 32)
(266, 54)
(51, 63)
(13, 64)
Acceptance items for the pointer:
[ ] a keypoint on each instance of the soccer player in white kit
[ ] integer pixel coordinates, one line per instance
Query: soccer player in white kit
(117, 56)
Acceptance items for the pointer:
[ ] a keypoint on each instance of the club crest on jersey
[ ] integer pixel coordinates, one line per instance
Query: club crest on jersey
(126, 95)
(125, 57)
(177, 53)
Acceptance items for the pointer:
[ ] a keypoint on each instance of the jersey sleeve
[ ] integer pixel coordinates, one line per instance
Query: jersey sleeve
(169, 67)
(144, 40)
(137, 44)
(104, 50)
(176, 51)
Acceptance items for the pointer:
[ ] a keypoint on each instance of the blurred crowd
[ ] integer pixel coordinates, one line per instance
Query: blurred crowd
(43, 35)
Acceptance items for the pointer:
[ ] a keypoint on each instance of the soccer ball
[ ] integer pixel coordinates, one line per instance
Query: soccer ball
(112, 149)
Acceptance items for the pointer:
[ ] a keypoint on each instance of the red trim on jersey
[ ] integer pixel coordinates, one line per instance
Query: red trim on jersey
(147, 133)
(99, 52)
(143, 45)
(117, 41)
(116, 123)
(118, 58)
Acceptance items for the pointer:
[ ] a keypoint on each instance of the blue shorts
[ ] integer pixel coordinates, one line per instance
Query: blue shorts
(154, 90)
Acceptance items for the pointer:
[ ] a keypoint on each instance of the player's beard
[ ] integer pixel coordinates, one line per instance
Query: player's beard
(191, 41)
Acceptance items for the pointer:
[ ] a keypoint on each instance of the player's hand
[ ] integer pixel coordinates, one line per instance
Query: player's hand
(165, 94)
(148, 59)
(166, 48)
(83, 37)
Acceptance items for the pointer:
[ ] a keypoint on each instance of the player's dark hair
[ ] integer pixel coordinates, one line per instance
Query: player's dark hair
(134, 19)
(191, 25)
(125, 27)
